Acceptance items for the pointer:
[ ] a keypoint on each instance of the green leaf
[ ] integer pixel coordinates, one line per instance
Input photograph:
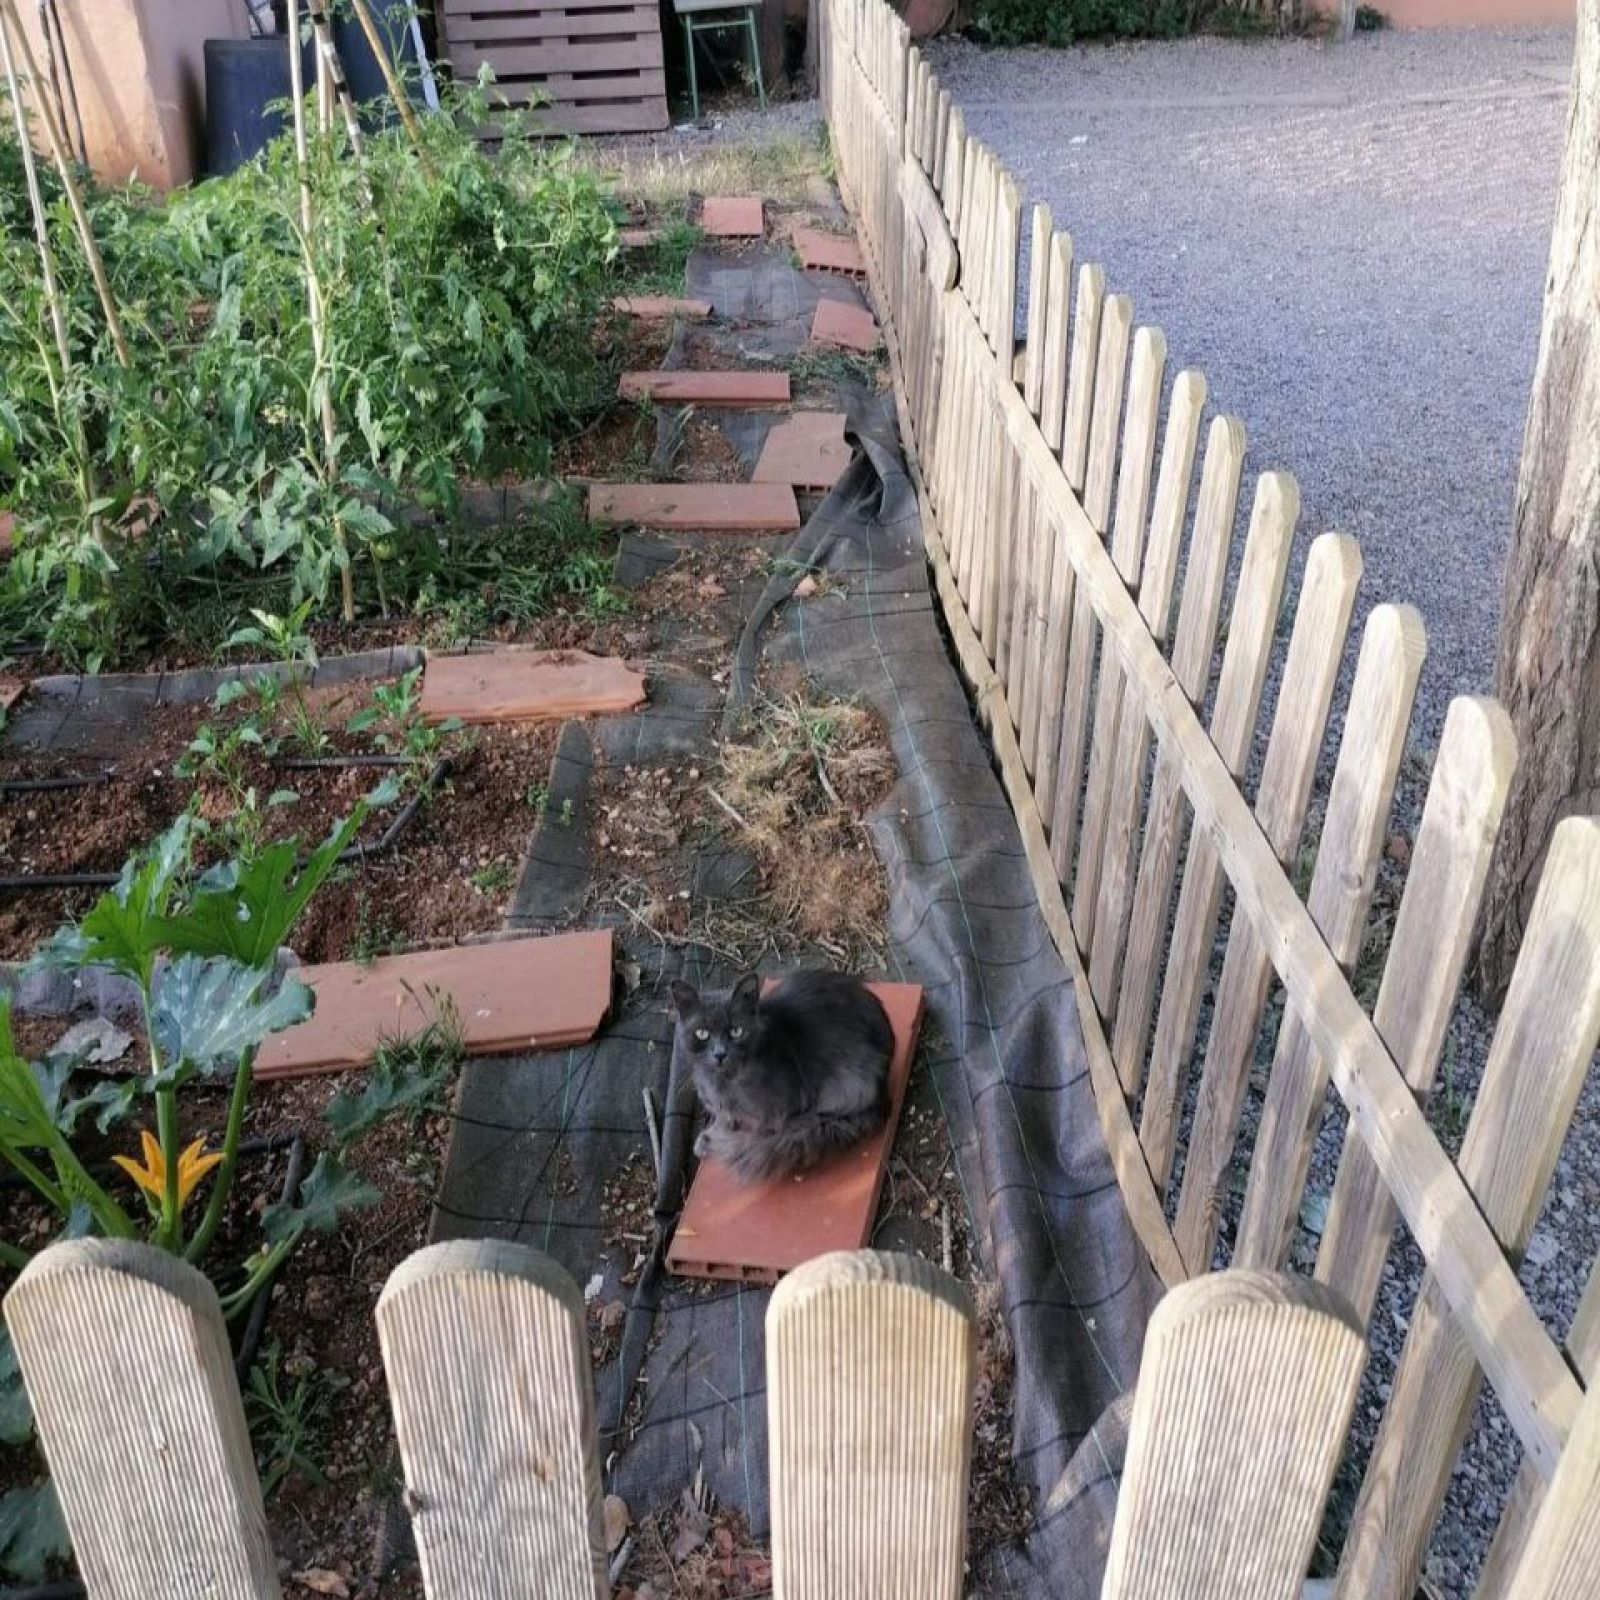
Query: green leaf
(207, 1013)
(27, 1118)
(121, 930)
(326, 1194)
(16, 1415)
(249, 917)
(282, 797)
(33, 1533)
(403, 1078)
(233, 689)
(112, 1100)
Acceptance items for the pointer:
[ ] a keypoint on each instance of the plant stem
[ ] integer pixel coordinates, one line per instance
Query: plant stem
(260, 1274)
(223, 1183)
(171, 1228)
(47, 1187)
(13, 1257)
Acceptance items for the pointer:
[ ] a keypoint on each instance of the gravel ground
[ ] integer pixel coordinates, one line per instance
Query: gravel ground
(1351, 245)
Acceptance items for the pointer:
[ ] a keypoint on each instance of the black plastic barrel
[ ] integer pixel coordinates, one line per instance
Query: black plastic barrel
(244, 77)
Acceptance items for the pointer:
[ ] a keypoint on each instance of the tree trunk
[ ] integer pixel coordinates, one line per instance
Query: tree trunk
(1548, 668)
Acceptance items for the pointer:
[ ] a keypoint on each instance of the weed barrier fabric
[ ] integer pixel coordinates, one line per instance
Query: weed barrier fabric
(538, 1139)
(681, 1385)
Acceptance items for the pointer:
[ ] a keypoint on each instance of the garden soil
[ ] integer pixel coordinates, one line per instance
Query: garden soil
(552, 1149)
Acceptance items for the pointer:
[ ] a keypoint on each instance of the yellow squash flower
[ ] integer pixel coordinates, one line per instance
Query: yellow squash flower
(151, 1173)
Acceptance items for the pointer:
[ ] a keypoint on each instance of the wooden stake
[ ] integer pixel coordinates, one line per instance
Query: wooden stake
(392, 83)
(47, 261)
(297, 95)
(55, 136)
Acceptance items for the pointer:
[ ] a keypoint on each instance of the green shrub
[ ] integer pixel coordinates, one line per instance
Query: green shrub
(1061, 22)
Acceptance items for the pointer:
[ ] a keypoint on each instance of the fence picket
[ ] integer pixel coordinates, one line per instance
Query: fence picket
(1081, 381)
(941, 136)
(1038, 318)
(487, 1357)
(1342, 882)
(1316, 649)
(1110, 382)
(1427, 954)
(1244, 667)
(1053, 375)
(1133, 741)
(870, 1367)
(1127, 550)
(1167, 816)
(1003, 270)
(1495, 1579)
(127, 1365)
(1245, 1390)
(1530, 1085)
(953, 175)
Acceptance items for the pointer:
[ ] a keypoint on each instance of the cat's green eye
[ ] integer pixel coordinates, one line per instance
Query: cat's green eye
(736, 1033)
(702, 1034)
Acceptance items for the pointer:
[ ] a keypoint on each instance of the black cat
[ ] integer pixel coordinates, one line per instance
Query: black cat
(789, 1077)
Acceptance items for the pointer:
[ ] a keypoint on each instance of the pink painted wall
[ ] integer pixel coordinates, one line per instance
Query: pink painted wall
(1475, 13)
(139, 69)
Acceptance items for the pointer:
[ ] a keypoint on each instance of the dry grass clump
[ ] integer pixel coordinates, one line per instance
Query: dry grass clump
(798, 788)
(658, 179)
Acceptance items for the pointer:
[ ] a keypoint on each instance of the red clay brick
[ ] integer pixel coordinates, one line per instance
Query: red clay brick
(638, 238)
(849, 327)
(808, 451)
(754, 1233)
(739, 217)
(707, 388)
(829, 252)
(697, 507)
(508, 997)
(527, 686)
(659, 307)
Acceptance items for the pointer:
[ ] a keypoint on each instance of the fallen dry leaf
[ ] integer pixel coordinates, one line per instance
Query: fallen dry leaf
(616, 1517)
(319, 1580)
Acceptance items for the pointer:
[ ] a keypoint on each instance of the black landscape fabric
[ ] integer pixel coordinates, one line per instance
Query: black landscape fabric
(538, 1138)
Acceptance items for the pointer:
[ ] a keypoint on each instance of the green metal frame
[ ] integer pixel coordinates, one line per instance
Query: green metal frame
(722, 21)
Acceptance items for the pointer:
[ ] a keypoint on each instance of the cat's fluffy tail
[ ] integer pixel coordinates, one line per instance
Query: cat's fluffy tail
(802, 1142)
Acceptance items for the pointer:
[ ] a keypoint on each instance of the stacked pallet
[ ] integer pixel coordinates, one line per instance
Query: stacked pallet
(599, 62)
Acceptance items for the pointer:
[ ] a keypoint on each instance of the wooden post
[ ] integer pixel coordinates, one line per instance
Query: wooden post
(487, 1358)
(397, 93)
(1245, 1390)
(126, 1361)
(870, 1365)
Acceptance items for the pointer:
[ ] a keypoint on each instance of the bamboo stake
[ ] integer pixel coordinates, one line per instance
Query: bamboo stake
(314, 304)
(47, 263)
(392, 83)
(328, 61)
(55, 137)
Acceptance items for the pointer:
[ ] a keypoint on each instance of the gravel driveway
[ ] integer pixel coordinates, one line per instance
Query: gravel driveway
(1351, 245)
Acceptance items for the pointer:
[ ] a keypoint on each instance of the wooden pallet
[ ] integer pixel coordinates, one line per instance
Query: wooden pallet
(599, 62)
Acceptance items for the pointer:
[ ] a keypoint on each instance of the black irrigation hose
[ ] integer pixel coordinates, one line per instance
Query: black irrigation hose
(259, 1307)
(301, 763)
(71, 1588)
(39, 785)
(28, 882)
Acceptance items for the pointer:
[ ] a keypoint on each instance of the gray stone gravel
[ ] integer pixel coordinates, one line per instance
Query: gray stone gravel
(1351, 245)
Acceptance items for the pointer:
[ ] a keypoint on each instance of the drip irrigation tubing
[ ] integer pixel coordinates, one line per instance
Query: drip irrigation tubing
(356, 853)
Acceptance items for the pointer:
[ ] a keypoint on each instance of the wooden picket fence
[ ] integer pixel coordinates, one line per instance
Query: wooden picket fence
(1248, 1383)
(1123, 688)
(1056, 508)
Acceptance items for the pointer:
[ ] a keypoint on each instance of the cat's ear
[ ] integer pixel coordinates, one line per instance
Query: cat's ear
(746, 992)
(684, 996)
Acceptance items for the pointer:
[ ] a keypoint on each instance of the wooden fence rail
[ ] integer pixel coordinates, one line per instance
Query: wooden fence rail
(1056, 503)
(1248, 1383)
